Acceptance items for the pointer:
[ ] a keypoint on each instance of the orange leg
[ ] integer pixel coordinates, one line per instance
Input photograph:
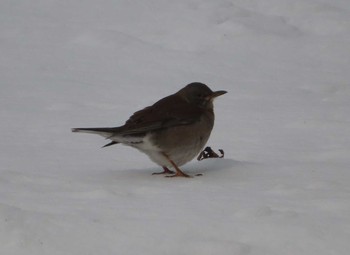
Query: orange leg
(178, 173)
(166, 171)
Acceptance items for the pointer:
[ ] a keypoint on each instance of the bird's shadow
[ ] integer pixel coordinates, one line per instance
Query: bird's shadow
(204, 167)
(213, 165)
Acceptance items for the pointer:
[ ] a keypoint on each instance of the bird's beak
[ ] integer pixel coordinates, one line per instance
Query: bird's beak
(216, 94)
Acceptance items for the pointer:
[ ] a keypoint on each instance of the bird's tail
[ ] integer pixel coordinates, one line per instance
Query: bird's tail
(105, 132)
(108, 133)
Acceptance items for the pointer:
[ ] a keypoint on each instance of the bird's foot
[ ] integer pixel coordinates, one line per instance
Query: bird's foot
(179, 174)
(166, 171)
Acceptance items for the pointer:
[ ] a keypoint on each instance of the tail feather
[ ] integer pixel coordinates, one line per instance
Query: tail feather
(109, 144)
(105, 132)
(115, 134)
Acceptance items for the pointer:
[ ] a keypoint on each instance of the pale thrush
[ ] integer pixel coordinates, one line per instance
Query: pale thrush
(172, 131)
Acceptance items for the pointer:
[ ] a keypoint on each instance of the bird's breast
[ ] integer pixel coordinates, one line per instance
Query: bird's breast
(183, 143)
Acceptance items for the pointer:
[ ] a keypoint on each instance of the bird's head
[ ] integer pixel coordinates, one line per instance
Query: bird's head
(200, 94)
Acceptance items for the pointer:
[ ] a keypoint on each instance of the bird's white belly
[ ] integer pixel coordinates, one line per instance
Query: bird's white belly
(145, 145)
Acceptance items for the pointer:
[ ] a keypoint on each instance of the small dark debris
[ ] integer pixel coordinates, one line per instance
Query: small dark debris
(209, 153)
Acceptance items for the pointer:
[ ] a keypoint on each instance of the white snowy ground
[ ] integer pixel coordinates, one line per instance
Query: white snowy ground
(283, 187)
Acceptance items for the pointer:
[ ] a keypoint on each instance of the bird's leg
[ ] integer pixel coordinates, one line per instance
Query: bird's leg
(166, 171)
(178, 173)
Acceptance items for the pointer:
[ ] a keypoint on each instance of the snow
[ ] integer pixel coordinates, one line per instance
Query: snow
(283, 186)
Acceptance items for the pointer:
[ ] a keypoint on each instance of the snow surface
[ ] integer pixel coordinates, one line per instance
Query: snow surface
(283, 187)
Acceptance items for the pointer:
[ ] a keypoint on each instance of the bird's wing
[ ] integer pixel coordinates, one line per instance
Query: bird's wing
(167, 112)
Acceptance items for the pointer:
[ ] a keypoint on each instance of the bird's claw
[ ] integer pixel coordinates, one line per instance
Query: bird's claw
(166, 171)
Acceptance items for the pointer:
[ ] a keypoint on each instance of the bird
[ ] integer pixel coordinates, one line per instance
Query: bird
(172, 131)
